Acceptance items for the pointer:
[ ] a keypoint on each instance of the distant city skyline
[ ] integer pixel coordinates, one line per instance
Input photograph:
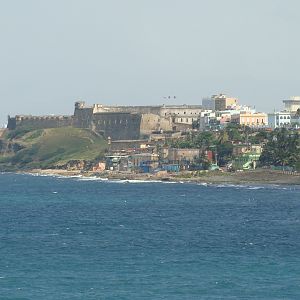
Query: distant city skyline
(136, 52)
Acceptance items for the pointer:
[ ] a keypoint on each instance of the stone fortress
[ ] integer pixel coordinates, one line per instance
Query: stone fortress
(117, 122)
(139, 122)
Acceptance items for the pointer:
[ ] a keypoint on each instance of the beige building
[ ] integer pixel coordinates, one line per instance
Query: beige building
(222, 102)
(250, 119)
(219, 102)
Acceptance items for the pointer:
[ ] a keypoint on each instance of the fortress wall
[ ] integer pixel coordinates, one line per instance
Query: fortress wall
(83, 117)
(40, 122)
(184, 119)
(181, 110)
(160, 110)
(134, 109)
(152, 122)
(118, 126)
(182, 127)
(11, 123)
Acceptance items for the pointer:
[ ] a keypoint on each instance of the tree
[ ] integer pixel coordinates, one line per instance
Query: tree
(205, 140)
(282, 149)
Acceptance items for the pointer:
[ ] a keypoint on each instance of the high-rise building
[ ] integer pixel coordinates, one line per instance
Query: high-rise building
(219, 102)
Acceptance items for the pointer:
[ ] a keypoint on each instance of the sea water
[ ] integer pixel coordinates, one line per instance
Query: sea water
(72, 238)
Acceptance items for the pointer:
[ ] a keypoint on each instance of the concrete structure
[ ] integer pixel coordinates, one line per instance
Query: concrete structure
(205, 120)
(250, 119)
(223, 102)
(219, 102)
(279, 119)
(177, 155)
(292, 104)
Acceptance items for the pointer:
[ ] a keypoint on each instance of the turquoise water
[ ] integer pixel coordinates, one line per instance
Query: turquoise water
(87, 239)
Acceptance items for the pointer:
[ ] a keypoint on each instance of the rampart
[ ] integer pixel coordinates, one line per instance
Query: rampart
(160, 110)
(39, 121)
(134, 109)
(152, 122)
(117, 126)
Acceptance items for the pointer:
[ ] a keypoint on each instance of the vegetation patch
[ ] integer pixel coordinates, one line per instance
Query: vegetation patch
(49, 148)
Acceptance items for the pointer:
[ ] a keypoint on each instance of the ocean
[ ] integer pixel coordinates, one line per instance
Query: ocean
(76, 238)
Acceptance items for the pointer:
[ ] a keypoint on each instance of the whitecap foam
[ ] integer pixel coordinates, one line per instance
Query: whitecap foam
(134, 181)
(92, 178)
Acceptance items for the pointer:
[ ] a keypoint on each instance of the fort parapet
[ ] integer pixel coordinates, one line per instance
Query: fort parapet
(39, 121)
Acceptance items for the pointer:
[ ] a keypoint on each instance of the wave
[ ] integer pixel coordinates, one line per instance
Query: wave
(244, 186)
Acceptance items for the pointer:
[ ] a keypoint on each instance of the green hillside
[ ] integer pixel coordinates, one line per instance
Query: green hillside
(51, 148)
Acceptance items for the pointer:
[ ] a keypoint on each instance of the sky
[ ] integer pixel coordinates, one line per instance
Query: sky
(136, 52)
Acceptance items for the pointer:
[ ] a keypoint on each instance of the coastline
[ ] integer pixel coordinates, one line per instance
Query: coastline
(257, 177)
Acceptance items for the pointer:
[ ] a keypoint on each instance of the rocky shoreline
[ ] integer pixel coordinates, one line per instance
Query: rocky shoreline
(258, 177)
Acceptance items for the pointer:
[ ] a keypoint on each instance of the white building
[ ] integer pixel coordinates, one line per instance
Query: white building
(205, 119)
(279, 119)
(295, 121)
(292, 104)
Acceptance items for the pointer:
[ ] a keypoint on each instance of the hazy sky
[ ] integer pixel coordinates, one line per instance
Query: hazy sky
(55, 52)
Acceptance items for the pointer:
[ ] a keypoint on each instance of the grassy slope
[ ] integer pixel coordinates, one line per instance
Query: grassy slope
(45, 148)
